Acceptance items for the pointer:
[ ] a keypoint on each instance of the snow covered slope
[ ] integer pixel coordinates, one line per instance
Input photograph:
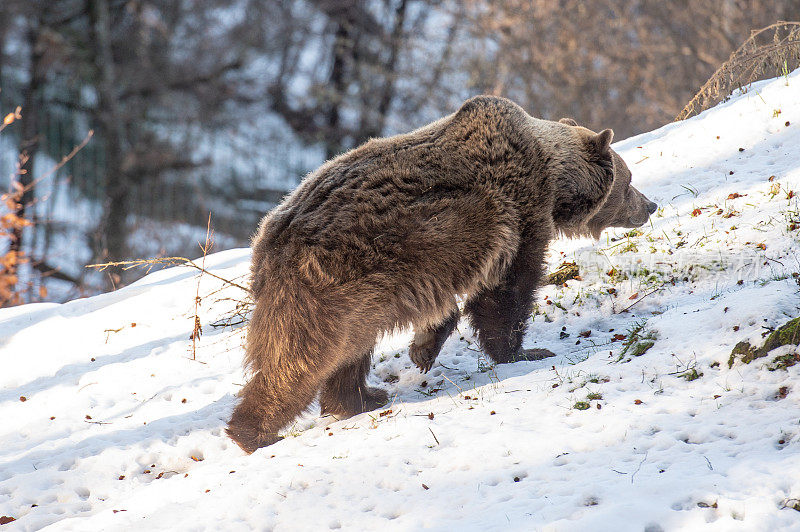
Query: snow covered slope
(107, 423)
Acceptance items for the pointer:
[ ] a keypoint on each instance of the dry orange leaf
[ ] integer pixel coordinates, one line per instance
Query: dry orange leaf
(10, 117)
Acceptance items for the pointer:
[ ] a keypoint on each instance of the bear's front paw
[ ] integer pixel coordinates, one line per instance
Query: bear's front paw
(422, 357)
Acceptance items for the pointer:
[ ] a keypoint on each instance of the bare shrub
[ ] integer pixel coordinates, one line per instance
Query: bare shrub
(768, 52)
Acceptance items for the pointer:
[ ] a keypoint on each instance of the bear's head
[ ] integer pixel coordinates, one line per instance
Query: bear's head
(599, 194)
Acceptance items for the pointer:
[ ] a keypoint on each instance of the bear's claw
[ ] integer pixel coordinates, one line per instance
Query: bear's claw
(422, 357)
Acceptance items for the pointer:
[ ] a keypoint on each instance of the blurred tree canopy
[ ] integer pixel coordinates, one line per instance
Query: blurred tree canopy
(227, 96)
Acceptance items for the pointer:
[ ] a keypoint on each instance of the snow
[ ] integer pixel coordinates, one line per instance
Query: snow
(121, 428)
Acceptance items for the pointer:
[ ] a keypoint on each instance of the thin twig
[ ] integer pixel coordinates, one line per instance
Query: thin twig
(454, 384)
(653, 291)
(198, 329)
(170, 261)
(639, 467)
(64, 160)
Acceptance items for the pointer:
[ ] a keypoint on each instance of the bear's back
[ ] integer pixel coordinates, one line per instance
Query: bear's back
(390, 205)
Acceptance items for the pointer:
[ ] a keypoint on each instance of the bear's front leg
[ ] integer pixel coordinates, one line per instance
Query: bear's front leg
(500, 315)
(428, 342)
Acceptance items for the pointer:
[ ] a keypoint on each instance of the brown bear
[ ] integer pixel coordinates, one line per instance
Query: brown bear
(385, 236)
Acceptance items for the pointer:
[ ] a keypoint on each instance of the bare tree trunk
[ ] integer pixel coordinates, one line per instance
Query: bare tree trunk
(391, 67)
(29, 129)
(5, 15)
(374, 122)
(342, 47)
(116, 182)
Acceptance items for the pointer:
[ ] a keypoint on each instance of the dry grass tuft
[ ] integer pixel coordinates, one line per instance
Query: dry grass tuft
(768, 52)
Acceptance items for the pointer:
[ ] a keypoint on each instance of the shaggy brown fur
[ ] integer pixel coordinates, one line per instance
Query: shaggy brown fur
(386, 235)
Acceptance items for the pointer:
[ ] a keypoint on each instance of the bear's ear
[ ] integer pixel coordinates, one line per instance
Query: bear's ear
(568, 121)
(601, 143)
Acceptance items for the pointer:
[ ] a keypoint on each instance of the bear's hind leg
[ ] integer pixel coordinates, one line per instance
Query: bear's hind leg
(346, 393)
(428, 342)
(270, 401)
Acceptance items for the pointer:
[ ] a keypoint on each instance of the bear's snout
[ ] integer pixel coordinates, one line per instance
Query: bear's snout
(639, 208)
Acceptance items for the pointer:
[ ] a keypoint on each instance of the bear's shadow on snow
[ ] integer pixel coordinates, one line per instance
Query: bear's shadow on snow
(80, 307)
(70, 374)
(165, 429)
(459, 370)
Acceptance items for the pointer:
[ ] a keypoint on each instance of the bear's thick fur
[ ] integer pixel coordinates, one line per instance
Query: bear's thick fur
(386, 235)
